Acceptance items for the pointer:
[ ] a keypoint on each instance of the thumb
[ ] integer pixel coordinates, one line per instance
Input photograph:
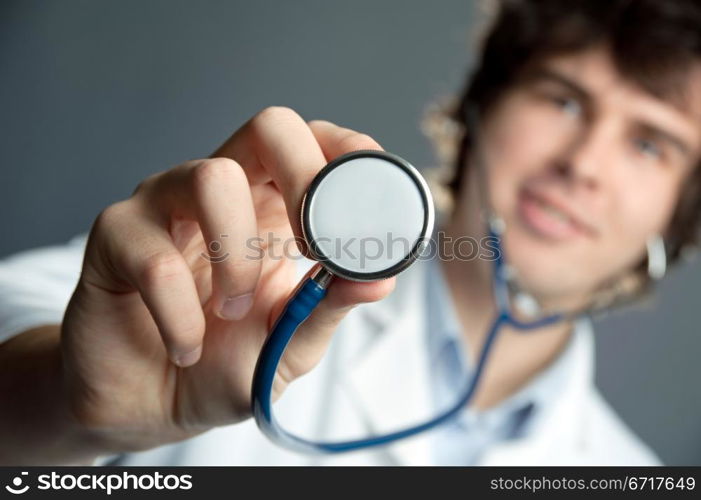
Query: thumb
(313, 336)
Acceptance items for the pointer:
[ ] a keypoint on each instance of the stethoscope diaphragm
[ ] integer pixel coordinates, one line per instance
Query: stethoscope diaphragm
(367, 215)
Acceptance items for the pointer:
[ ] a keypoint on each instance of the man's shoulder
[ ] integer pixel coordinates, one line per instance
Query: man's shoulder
(611, 438)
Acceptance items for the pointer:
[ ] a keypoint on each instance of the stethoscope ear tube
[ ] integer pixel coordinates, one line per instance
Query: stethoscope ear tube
(296, 311)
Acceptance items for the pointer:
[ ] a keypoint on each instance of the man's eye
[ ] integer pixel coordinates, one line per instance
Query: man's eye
(568, 104)
(647, 147)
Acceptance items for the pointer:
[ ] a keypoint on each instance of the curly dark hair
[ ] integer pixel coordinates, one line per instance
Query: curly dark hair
(653, 43)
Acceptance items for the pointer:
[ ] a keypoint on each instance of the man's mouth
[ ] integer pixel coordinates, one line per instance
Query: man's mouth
(550, 217)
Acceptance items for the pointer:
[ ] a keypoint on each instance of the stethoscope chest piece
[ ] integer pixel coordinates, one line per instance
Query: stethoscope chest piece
(367, 215)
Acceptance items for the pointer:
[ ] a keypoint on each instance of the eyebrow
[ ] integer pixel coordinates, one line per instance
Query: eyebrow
(672, 139)
(546, 74)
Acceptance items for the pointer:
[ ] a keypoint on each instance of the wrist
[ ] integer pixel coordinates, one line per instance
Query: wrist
(37, 426)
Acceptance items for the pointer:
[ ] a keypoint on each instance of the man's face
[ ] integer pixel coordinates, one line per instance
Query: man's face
(584, 167)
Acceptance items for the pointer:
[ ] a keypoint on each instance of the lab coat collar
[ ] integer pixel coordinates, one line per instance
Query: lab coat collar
(559, 434)
(388, 395)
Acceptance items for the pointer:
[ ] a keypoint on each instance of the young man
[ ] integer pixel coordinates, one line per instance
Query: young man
(590, 135)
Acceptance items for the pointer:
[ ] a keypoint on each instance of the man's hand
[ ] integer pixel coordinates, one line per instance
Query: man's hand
(158, 343)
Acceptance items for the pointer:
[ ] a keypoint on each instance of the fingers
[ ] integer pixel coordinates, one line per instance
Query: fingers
(216, 193)
(142, 253)
(335, 141)
(275, 145)
(278, 145)
(312, 338)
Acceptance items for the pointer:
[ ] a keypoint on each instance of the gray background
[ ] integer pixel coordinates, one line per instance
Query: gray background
(94, 96)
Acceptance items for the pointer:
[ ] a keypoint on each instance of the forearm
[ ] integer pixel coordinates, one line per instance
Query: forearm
(36, 426)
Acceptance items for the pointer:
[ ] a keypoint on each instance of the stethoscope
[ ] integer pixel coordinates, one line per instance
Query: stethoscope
(368, 194)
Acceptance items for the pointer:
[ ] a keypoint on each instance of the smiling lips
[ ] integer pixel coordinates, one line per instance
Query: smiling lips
(549, 217)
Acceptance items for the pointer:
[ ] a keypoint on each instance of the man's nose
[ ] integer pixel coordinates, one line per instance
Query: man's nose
(585, 156)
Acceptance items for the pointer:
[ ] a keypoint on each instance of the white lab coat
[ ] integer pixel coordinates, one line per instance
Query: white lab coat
(378, 365)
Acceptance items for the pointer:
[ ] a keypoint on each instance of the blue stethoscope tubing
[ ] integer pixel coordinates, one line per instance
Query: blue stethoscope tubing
(298, 309)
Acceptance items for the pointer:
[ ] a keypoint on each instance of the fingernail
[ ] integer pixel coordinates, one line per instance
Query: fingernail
(236, 307)
(188, 358)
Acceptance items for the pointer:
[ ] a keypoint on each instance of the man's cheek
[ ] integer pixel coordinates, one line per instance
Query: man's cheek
(620, 252)
(503, 183)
